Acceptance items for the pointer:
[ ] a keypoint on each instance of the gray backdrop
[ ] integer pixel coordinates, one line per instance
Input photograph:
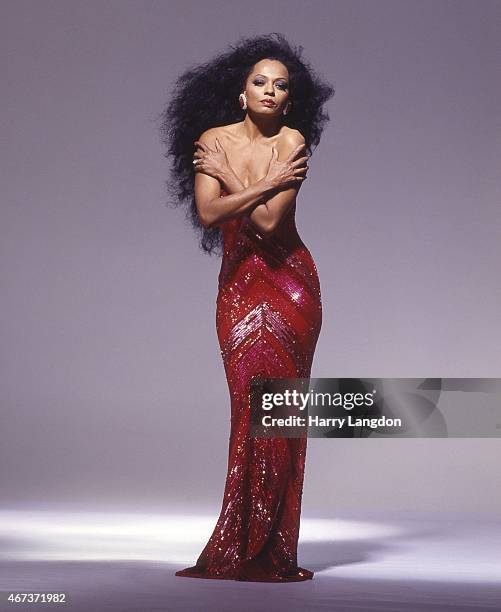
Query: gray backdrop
(113, 388)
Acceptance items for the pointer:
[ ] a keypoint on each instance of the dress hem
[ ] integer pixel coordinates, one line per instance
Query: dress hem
(193, 572)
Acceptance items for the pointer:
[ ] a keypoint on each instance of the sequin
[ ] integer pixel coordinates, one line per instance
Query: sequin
(268, 319)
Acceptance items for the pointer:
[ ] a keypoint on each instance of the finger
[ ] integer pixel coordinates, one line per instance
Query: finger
(216, 142)
(296, 151)
(300, 161)
(274, 153)
(298, 171)
(198, 154)
(202, 145)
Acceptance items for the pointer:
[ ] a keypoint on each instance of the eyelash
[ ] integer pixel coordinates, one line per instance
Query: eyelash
(280, 85)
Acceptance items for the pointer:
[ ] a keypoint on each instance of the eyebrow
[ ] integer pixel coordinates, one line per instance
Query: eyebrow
(277, 79)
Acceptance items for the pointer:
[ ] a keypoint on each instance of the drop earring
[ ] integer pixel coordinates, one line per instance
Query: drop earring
(287, 108)
(242, 99)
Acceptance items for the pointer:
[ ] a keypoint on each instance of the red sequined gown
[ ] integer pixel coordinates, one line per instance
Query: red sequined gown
(268, 318)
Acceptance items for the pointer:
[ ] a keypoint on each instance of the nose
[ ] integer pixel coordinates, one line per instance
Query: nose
(269, 90)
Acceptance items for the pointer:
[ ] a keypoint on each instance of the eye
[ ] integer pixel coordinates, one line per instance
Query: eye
(258, 82)
(282, 86)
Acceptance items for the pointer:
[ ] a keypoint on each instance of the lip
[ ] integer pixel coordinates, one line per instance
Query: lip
(268, 102)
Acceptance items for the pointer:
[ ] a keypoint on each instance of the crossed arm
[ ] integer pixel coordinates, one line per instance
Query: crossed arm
(267, 214)
(265, 202)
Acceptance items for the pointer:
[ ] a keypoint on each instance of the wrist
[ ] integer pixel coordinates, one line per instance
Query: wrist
(226, 176)
(267, 185)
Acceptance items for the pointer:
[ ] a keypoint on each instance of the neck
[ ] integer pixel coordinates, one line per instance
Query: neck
(259, 128)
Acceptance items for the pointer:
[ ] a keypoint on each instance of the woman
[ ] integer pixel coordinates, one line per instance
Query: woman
(239, 129)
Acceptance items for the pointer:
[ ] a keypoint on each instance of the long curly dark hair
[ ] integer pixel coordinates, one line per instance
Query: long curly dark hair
(197, 105)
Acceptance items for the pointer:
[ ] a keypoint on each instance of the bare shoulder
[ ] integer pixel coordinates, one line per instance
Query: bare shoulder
(221, 132)
(209, 136)
(292, 137)
(289, 139)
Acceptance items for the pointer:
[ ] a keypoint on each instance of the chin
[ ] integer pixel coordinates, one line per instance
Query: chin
(264, 110)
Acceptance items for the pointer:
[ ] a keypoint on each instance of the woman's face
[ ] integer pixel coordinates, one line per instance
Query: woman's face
(268, 81)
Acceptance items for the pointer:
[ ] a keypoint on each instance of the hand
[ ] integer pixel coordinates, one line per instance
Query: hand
(207, 161)
(288, 171)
